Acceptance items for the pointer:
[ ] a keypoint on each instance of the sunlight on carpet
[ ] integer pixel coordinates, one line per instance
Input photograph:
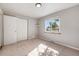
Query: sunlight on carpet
(43, 50)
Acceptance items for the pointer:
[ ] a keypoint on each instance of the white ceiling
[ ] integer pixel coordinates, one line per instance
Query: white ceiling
(29, 9)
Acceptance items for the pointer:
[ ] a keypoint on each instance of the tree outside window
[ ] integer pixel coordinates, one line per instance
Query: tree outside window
(52, 25)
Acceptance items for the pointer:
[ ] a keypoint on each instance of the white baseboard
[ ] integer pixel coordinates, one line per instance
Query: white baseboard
(60, 43)
(32, 38)
(66, 45)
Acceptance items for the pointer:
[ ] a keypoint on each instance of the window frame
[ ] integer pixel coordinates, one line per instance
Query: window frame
(58, 32)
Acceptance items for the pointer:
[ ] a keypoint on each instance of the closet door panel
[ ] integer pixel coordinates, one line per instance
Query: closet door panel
(1, 31)
(15, 29)
(9, 30)
(21, 29)
(24, 29)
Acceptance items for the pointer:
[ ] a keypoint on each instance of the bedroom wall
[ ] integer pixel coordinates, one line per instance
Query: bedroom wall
(69, 28)
(1, 13)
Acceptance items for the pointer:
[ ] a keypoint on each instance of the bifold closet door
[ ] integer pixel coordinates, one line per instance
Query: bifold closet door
(15, 29)
(1, 31)
(9, 30)
(21, 29)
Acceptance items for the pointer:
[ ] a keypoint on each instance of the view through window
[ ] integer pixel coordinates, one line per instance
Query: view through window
(52, 25)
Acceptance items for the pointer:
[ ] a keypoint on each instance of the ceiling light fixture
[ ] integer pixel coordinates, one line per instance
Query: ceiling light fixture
(38, 4)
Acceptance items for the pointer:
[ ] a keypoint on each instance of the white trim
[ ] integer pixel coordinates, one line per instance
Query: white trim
(66, 45)
(60, 43)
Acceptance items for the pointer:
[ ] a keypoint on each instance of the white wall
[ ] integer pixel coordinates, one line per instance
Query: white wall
(32, 28)
(69, 19)
(0, 29)
(1, 13)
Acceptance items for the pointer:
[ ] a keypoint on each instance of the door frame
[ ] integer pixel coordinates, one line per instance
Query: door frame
(2, 32)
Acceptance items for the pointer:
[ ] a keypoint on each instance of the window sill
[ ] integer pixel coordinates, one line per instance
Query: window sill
(53, 32)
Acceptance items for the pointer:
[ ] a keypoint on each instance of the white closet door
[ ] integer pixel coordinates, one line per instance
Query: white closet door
(21, 29)
(24, 23)
(0, 30)
(9, 30)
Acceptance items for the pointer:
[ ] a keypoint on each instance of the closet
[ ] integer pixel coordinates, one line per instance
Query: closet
(15, 29)
(1, 29)
(21, 26)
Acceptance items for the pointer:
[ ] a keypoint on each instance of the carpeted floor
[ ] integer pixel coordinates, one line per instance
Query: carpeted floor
(37, 47)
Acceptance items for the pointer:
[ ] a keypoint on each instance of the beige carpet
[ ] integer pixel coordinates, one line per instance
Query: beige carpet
(37, 47)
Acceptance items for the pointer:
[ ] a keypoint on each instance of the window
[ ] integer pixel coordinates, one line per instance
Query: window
(52, 25)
